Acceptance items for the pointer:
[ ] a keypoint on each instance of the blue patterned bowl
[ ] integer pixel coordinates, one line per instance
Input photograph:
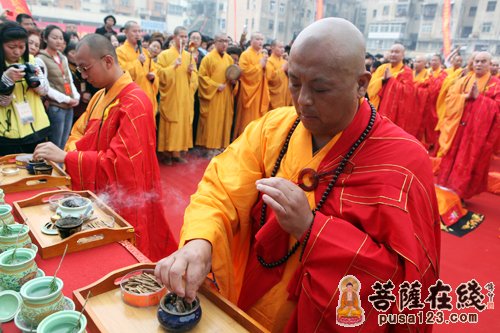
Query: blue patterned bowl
(174, 321)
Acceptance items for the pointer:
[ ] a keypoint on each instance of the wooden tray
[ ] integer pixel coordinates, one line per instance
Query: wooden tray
(35, 212)
(106, 312)
(23, 181)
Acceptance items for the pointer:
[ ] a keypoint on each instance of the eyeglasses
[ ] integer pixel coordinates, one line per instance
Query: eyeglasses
(85, 69)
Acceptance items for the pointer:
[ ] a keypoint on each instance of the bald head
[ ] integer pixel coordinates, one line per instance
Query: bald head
(340, 41)
(494, 66)
(482, 63)
(99, 46)
(256, 41)
(420, 62)
(327, 84)
(396, 54)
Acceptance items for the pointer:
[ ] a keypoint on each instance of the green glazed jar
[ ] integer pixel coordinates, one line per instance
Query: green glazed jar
(6, 214)
(8, 237)
(39, 301)
(15, 273)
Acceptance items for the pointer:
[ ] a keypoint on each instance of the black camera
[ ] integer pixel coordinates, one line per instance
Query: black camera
(29, 74)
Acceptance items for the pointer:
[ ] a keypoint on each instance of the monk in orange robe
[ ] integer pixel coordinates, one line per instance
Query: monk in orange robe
(253, 97)
(279, 94)
(391, 89)
(111, 150)
(334, 178)
(428, 134)
(470, 130)
(495, 63)
(137, 61)
(420, 79)
(452, 75)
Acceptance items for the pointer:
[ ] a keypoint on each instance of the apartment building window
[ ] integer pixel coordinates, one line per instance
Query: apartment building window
(481, 47)
(124, 3)
(272, 5)
(248, 4)
(498, 50)
(466, 31)
(281, 27)
(426, 28)
(222, 24)
(402, 10)
(373, 28)
(270, 25)
(395, 27)
(385, 11)
(374, 13)
(158, 7)
(246, 22)
(384, 28)
(472, 11)
(492, 5)
(486, 27)
(429, 11)
(221, 7)
(282, 8)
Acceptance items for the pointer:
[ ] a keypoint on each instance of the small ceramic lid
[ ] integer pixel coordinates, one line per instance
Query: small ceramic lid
(10, 302)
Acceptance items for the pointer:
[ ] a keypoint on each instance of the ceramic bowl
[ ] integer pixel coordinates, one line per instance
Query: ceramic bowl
(68, 226)
(74, 206)
(44, 169)
(62, 321)
(39, 301)
(141, 300)
(8, 238)
(10, 171)
(54, 199)
(6, 214)
(23, 159)
(13, 275)
(10, 302)
(177, 322)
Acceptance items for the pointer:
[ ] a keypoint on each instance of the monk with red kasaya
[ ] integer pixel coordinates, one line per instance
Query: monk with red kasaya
(391, 89)
(111, 150)
(309, 194)
(470, 130)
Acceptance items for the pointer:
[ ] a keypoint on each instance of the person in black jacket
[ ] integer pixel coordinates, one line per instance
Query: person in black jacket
(109, 23)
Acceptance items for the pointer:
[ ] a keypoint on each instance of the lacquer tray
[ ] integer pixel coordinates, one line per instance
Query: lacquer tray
(106, 312)
(35, 212)
(23, 181)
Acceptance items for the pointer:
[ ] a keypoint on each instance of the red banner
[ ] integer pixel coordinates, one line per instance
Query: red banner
(319, 9)
(446, 27)
(14, 7)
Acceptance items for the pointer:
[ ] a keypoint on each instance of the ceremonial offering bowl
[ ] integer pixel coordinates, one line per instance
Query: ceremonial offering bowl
(173, 316)
(63, 321)
(23, 160)
(9, 234)
(75, 207)
(31, 165)
(134, 296)
(40, 301)
(54, 200)
(68, 225)
(10, 171)
(18, 270)
(44, 169)
(6, 214)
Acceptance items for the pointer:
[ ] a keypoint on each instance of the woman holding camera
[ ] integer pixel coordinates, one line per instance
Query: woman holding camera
(23, 121)
(62, 94)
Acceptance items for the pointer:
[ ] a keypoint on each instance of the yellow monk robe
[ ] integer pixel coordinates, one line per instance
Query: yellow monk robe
(216, 107)
(376, 81)
(177, 89)
(253, 98)
(229, 259)
(453, 76)
(455, 104)
(128, 59)
(420, 77)
(279, 94)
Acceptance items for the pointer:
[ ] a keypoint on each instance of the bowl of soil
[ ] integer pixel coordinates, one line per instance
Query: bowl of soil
(67, 226)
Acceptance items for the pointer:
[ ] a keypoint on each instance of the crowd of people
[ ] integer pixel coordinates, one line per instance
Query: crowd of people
(353, 153)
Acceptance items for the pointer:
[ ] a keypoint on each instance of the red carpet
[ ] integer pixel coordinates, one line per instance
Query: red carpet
(474, 256)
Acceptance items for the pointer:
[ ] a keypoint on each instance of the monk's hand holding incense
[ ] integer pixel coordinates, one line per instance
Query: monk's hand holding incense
(184, 271)
(49, 151)
(289, 204)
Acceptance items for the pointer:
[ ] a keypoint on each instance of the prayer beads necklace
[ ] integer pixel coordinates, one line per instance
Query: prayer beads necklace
(336, 175)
